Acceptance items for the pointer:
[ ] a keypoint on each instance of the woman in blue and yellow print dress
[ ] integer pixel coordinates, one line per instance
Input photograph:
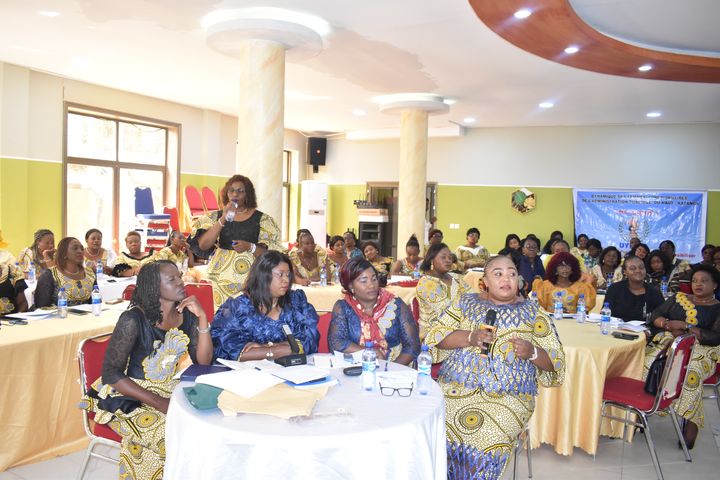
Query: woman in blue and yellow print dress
(144, 354)
(70, 273)
(490, 398)
(698, 314)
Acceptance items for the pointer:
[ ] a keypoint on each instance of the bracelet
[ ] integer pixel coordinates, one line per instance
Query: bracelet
(253, 247)
(203, 330)
(534, 355)
(470, 337)
(220, 222)
(269, 355)
(270, 344)
(239, 357)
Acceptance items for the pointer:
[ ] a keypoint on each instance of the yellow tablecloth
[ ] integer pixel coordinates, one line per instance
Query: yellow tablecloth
(39, 389)
(323, 298)
(569, 416)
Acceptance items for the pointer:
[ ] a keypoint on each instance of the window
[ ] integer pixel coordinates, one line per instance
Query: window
(107, 156)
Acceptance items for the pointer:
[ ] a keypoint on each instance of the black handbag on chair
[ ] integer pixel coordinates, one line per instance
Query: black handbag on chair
(655, 372)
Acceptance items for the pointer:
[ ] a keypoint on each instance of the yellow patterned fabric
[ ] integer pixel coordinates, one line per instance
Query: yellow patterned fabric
(11, 274)
(77, 291)
(167, 254)
(472, 257)
(489, 400)
(26, 256)
(546, 295)
(314, 274)
(383, 265)
(433, 297)
(407, 268)
(125, 259)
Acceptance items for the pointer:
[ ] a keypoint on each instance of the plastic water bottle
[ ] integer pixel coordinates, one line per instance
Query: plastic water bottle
(581, 312)
(558, 307)
(369, 357)
(533, 297)
(336, 274)
(32, 277)
(96, 301)
(664, 287)
(605, 319)
(230, 215)
(424, 362)
(323, 276)
(99, 274)
(185, 266)
(416, 271)
(609, 281)
(62, 303)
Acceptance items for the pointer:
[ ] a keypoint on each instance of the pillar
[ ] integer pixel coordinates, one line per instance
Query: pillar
(412, 177)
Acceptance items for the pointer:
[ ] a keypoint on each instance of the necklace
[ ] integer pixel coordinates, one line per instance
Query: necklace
(700, 301)
(93, 256)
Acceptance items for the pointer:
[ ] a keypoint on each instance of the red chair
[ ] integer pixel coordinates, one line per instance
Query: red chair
(175, 219)
(204, 293)
(91, 354)
(415, 309)
(629, 394)
(323, 327)
(128, 292)
(209, 198)
(194, 201)
(714, 383)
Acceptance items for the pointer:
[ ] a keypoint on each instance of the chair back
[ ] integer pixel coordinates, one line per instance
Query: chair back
(673, 377)
(209, 198)
(714, 379)
(91, 354)
(204, 294)
(323, 327)
(144, 201)
(194, 201)
(128, 292)
(174, 217)
(415, 309)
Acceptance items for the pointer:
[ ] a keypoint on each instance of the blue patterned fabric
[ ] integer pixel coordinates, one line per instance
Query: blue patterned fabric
(466, 461)
(237, 323)
(400, 329)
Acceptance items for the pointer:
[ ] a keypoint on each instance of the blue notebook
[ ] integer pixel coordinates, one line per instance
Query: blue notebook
(194, 370)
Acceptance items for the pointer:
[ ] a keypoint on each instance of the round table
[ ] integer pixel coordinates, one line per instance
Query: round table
(382, 437)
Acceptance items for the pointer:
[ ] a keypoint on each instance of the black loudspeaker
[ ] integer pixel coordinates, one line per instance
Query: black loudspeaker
(316, 150)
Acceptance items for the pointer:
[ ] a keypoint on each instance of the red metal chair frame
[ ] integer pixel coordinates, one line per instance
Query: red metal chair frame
(91, 353)
(194, 201)
(323, 327)
(629, 395)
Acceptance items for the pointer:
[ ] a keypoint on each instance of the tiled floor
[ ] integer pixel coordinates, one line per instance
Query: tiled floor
(615, 459)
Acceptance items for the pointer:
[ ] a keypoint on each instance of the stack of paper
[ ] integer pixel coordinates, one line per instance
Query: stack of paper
(633, 326)
(245, 383)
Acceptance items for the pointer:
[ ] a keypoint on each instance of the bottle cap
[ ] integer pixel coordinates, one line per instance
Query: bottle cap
(582, 295)
(368, 344)
(425, 348)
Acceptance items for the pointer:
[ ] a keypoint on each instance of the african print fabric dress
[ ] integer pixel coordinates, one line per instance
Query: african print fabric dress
(312, 274)
(12, 283)
(490, 399)
(705, 354)
(471, 257)
(228, 269)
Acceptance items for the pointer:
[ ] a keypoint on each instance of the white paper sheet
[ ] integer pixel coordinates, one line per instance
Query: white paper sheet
(247, 383)
(301, 374)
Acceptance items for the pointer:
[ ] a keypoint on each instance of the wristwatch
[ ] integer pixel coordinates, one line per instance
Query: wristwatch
(203, 330)
(534, 355)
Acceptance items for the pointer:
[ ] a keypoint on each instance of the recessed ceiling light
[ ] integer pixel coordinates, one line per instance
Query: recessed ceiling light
(359, 112)
(645, 68)
(49, 13)
(546, 105)
(572, 49)
(653, 114)
(522, 13)
(449, 101)
(469, 120)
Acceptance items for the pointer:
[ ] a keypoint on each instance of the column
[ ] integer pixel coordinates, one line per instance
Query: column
(413, 176)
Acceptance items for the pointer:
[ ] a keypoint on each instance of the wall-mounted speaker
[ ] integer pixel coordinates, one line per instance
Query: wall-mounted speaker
(316, 150)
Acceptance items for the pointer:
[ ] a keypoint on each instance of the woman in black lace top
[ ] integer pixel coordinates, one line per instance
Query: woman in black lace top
(143, 356)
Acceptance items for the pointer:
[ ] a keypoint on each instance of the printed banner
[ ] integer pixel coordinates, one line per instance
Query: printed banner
(614, 217)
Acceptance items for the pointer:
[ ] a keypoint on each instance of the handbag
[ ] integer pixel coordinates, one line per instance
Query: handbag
(655, 372)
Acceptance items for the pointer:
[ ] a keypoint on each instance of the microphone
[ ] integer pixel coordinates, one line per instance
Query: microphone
(291, 339)
(490, 320)
(295, 357)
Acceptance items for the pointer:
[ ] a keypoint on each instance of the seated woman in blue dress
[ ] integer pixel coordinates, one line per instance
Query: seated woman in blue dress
(369, 313)
(250, 326)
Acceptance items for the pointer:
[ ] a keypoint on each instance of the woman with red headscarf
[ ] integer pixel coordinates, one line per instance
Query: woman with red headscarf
(369, 313)
(563, 275)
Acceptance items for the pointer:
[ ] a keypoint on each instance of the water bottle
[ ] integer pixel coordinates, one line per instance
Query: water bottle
(323, 276)
(230, 215)
(558, 307)
(416, 271)
(31, 273)
(369, 358)
(99, 270)
(424, 362)
(609, 280)
(185, 266)
(605, 319)
(336, 274)
(62, 303)
(533, 297)
(96, 301)
(581, 312)
(664, 287)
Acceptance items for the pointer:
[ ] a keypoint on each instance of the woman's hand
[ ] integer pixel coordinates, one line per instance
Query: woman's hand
(482, 336)
(48, 255)
(241, 246)
(523, 348)
(380, 354)
(193, 304)
(250, 345)
(228, 206)
(163, 404)
(302, 281)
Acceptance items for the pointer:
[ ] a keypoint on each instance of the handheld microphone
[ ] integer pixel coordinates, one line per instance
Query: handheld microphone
(490, 320)
(295, 358)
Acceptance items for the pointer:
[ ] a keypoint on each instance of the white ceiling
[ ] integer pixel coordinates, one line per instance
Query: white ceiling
(376, 47)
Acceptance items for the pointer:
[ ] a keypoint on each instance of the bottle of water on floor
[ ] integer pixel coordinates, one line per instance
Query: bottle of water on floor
(424, 363)
(581, 313)
(96, 301)
(605, 319)
(369, 357)
(32, 277)
(323, 276)
(62, 303)
(558, 306)
(99, 270)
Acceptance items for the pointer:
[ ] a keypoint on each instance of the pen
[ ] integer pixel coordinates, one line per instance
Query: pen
(386, 363)
(331, 365)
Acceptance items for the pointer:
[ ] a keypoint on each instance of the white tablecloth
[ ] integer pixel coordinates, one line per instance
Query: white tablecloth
(384, 437)
(110, 288)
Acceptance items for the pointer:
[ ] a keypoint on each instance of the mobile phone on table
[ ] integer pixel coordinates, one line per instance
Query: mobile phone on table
(624, 336)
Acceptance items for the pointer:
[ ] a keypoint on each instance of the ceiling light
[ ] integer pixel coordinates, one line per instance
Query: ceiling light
(522, 13)
(313, 22)
(48, 13)
(645, 68)
(449, 101)
(653, 114)
(359, 112)
(572, 49)
(469, 120)
(546, 105)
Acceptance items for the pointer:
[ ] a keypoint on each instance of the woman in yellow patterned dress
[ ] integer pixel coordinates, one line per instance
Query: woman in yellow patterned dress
(563, 276)
(128, 263)
(307, 260)
(12, 289)
(149, 340)
(175, 252)
(410, 265)
(472, 255)
(698, 314)
(70, 273)
(41, 253)
(489, 398)
(238, 234)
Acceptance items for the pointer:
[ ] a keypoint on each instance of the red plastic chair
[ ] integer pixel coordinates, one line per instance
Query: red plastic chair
(629, 394)
(128, 292)
(194, 201)
(204, 293)
(323, 327)
(91, 354)
(714, 383)
(209, 198)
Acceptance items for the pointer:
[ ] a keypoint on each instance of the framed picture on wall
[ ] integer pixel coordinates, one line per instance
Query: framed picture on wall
(523, 200)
